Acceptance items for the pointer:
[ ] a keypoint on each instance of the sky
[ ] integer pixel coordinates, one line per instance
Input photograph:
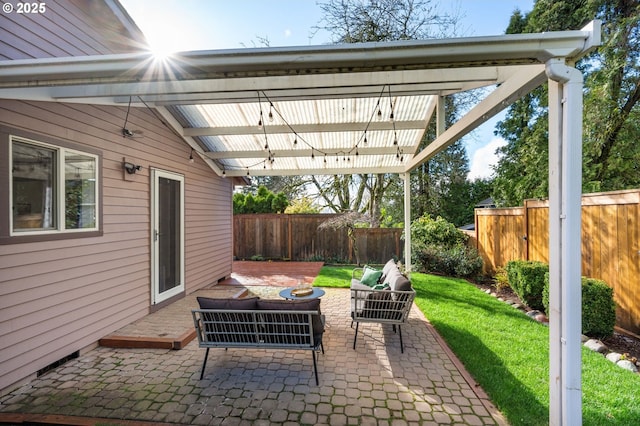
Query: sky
(179, 25)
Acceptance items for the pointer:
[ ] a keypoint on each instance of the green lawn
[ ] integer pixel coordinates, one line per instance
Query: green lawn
(334, 276)
(508, 354)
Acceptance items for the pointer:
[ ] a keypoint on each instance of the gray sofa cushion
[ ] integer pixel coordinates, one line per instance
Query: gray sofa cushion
(388, 267)
(357, 285)
(397, 281)
(247, 304)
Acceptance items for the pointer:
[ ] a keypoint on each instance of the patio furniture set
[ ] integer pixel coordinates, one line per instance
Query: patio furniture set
(296, 322)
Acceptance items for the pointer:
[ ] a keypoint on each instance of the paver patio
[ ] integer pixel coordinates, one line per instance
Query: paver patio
(372, 385)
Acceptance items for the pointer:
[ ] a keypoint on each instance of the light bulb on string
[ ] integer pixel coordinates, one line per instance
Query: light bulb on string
(270, 111)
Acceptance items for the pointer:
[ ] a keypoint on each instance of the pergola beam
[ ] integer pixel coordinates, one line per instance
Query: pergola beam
(306, 152)
(328, 170)
(241, 90)
(514, 88)
(301, 129)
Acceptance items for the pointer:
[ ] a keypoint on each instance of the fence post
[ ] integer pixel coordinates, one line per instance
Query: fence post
(525, 235)
(290, 239)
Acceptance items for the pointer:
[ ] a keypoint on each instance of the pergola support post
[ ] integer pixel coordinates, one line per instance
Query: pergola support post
(565, 294)
(407, 220)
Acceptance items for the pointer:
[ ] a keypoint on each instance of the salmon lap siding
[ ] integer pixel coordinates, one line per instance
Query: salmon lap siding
(60, 296)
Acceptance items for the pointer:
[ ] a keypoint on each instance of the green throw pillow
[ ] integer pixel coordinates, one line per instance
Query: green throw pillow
(370, 276)
(384, 286)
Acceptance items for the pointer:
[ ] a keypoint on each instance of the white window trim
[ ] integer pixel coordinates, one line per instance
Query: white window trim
(60, 183)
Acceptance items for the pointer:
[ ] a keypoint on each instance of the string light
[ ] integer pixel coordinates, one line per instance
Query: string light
(346, 155)
(260, 106)
(191, 160)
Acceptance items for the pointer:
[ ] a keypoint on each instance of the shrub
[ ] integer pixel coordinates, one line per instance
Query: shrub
(427, 231)
(439, 247)
(501, 279)
(458, 261)
(598, 307)
(527, 278)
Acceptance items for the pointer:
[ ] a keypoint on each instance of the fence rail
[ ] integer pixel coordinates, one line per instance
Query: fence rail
(296, 237)
(610, 247)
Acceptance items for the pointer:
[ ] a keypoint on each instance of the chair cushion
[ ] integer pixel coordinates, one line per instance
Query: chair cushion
(370, 276)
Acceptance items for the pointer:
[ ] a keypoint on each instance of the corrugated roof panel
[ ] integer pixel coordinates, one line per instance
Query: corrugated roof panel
(297, 112)
(410, 107)
(339, 146)
(189, 116)
(212, 143)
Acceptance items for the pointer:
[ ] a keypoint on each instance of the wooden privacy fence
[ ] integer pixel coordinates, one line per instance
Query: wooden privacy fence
(297, 237)
(610, 247)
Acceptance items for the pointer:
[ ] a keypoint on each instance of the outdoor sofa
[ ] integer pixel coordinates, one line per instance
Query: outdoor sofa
(259, 323)
(380, 296)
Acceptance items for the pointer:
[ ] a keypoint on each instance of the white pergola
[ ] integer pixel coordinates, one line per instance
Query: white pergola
(356, 108)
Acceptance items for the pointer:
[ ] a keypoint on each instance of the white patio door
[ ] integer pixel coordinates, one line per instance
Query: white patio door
(167, 235)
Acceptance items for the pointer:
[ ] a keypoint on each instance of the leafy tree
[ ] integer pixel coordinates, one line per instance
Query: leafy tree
(292, 186)
(386, 20)
(439, 187)
(279, 203)
(303, 205)
(264, 201)
(611, 153)
(238, 203)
